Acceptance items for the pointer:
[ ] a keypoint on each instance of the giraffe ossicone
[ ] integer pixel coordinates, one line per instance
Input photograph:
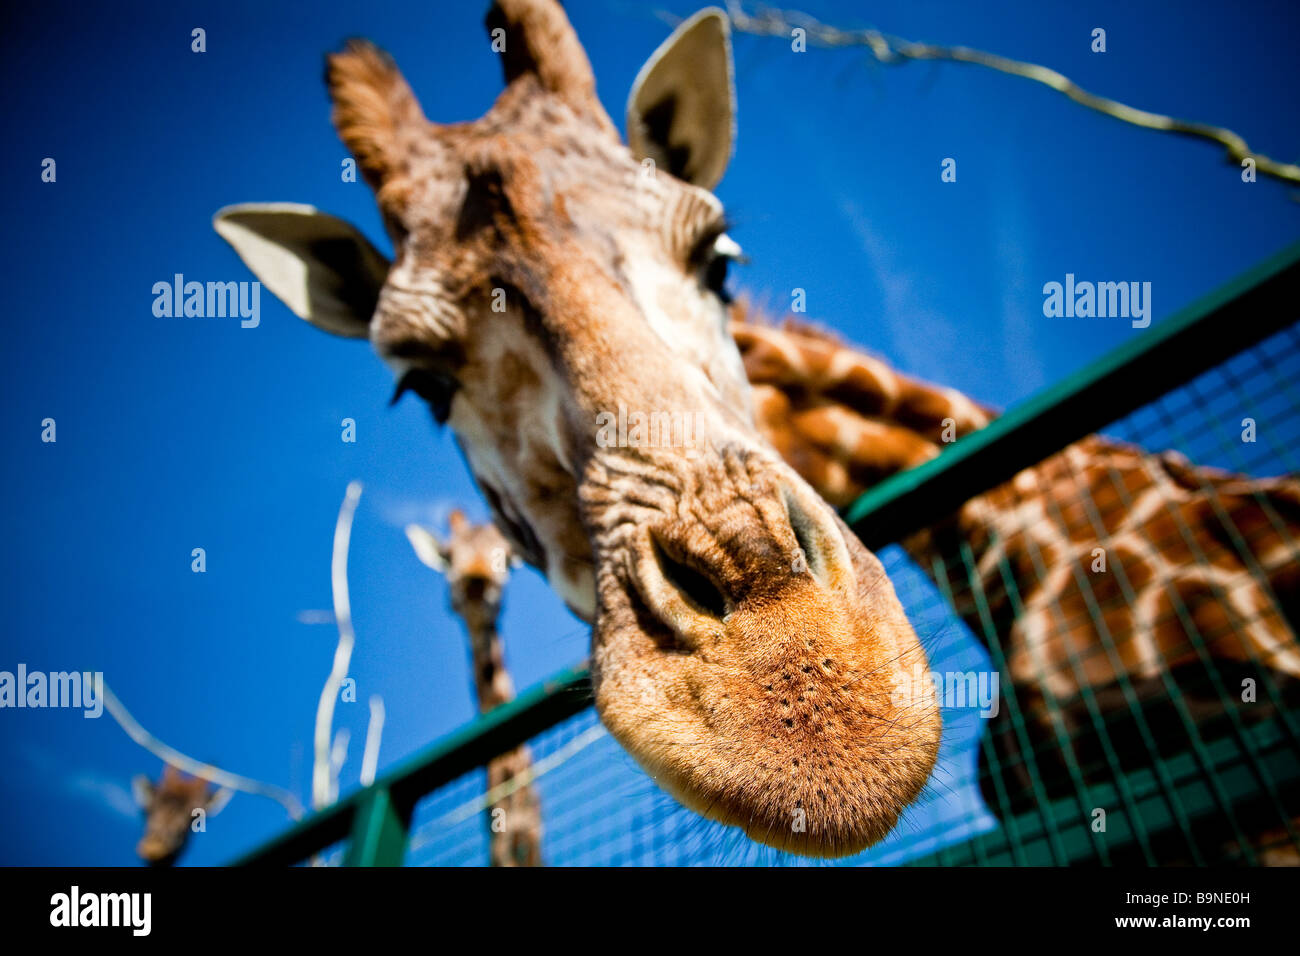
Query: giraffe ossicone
(760, 690)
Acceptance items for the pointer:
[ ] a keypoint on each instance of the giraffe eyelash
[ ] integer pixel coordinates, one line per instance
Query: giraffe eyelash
(727, 247)
(435, 387)
(705, 247)
(712, 256)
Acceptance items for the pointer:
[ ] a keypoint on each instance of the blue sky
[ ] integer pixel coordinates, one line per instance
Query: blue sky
(182, 433)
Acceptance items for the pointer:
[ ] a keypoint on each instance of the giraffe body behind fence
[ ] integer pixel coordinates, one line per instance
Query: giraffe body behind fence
(1111, 579)
(476, 561)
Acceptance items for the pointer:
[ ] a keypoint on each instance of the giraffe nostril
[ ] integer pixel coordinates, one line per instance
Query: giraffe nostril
(820, 543)
(804, 537)
(693, 585)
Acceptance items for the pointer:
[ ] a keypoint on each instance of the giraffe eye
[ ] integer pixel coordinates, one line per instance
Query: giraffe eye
(714, 259)
(436, 388)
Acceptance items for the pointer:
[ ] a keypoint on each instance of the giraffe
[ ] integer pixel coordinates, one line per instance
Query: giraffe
(169, 807)
(846, 420)
(476, 561)
(747, 650)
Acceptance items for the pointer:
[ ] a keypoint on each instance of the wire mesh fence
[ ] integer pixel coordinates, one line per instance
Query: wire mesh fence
(1147, 701)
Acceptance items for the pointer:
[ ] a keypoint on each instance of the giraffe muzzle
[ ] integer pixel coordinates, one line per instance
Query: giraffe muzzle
(757, 663)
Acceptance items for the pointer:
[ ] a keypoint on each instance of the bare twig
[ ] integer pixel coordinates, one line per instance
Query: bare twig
(219, 800)
(374, 732)
(338, 757)
(197, 768)
(891, 51)
(322, 775)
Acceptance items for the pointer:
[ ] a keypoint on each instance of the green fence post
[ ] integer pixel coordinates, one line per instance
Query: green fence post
(379, 831)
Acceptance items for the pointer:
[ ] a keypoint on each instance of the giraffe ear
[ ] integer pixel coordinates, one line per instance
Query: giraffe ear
(142, 790)
(682, 109)
(321, 267)
(427, 547)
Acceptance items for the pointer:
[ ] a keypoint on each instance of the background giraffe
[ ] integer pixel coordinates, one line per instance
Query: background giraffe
(1202, 572)
(169, 807)
(476, 561)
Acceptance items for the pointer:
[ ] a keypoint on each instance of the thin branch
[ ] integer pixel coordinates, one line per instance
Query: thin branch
(219, 800)
(374, 732)
(194, 767)
(321, 772)
(338, 757)
(892, 51)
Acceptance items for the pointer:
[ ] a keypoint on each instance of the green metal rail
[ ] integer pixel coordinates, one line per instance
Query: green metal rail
(376, 820)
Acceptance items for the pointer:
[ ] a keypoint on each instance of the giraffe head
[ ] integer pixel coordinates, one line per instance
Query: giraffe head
(556, 296)
(168, 808)
(476, 560)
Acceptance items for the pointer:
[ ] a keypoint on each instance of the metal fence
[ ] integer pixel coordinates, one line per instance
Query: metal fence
(1156, 767)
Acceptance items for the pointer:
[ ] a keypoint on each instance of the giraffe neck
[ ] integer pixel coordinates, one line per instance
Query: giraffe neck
(514, 821)
(844, 419)
(492, 683)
